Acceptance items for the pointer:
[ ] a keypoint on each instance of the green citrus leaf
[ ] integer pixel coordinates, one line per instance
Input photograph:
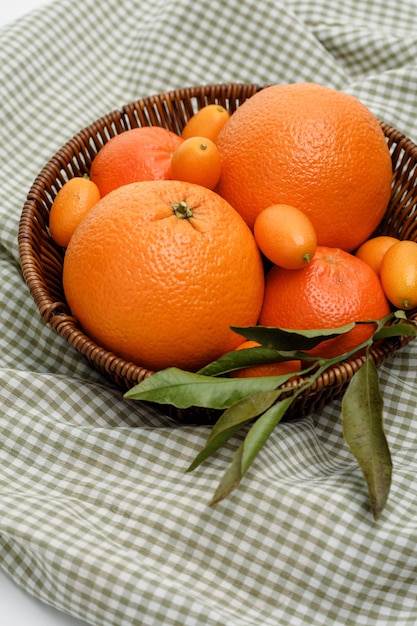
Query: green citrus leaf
(232, 420)
(289, 340)
(231, 478)
(261, 430)
(247, 357)
(362, 409)
(185, 389)
(396, 330)
(243, 411)
(249, 448)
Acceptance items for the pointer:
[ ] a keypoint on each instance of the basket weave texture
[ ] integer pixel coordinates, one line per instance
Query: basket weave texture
(42, 260)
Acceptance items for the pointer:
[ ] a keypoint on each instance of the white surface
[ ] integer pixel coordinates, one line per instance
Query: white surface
(18, 608)
(13, 9)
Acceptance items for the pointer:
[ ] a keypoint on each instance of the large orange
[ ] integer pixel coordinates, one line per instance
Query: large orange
(137, 154)
(158, 271)
(312, 147)
(334, 289)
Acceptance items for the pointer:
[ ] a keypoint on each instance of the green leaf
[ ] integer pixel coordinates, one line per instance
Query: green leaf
(249, 448)
(289, 340)
(247, 357)
(396, 330)
(362, 409)
(231, 478)
(257, 399)
(232, 420)
(185, 389)
(261, 430)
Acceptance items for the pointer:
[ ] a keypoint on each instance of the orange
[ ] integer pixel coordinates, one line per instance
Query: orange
(373, 250)
(334, 289)
(134, 155)
(266, 369)
(314, 148)
(285, 235)
(72, 202)
(207, 122)
(399, 274)
(158, 271)
(197, 160)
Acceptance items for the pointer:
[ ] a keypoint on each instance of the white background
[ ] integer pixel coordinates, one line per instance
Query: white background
(13, 9)
(18, 608)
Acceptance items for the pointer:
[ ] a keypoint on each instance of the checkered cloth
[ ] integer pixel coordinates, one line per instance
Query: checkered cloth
(97, 514)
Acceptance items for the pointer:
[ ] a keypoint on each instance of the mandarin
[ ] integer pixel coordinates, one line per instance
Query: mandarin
(312, 147)
(134, 155)
(334, 289)
(158, 271)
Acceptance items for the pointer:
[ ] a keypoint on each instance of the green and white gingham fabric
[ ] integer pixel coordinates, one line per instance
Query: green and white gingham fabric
(97, 515)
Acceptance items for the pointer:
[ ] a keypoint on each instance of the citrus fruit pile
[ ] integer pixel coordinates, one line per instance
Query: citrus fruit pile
(263, 216)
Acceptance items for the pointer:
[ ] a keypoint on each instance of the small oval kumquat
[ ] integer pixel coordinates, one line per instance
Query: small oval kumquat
(207, 122)
(71, 204)
(372, 250)
(286, 236)
(197, 160)
(399, 274)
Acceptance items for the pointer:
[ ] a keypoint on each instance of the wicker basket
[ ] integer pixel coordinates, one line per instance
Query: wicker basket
(41, 258)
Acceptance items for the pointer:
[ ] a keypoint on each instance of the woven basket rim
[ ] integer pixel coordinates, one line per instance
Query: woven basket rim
(39, 255)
